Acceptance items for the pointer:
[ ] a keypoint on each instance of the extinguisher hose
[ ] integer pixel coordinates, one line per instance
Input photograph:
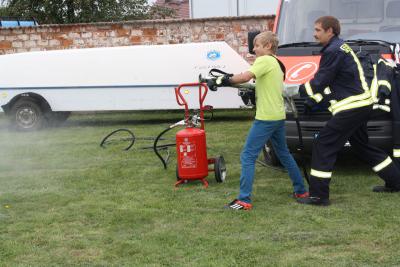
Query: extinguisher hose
(164, 161)
(289, 100)
(132, 138)
(301, 148)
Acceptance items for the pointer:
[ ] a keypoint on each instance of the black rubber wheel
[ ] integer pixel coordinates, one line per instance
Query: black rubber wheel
(177, 176)
(58, 117)
(270, 157)
(220, 169)
(177, 173)
(27, 115)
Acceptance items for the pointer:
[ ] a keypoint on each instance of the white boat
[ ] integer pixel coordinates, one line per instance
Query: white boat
(117, 78)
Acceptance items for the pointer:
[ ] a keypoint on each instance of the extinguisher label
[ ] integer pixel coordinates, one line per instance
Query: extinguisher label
(188, 155)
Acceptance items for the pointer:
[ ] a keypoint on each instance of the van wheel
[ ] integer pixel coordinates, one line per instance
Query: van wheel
(270, 157)
(26, 115)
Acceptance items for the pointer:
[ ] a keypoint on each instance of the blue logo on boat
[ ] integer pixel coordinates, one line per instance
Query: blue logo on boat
(213, 55)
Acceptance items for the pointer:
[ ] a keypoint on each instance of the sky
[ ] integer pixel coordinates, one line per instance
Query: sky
(151, 1)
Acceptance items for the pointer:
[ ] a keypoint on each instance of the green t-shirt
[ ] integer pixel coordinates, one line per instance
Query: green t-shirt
(269, 86)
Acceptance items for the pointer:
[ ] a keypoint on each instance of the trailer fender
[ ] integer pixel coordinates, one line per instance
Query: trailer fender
(28, 112)
(40, 100)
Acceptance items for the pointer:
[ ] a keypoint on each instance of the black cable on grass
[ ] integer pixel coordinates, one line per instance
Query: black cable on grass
(108, 136)
(106, 140)
(164, 161)
(133, 138)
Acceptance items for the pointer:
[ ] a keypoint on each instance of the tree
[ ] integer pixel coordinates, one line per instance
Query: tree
(76, 11)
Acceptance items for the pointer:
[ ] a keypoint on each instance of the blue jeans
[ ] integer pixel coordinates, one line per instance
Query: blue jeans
(260, 133)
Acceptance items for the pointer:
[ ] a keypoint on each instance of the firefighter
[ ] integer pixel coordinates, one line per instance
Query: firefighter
(341, 84)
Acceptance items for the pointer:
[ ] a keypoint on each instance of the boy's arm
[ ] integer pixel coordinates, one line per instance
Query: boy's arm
(230, 79)
(242, 77)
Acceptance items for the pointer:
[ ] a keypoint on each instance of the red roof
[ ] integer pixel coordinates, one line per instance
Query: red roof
(181, 7)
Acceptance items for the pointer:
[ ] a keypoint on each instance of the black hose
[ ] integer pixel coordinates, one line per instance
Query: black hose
(164, 162)
(292, 105)
(301, 148)
(132, 138)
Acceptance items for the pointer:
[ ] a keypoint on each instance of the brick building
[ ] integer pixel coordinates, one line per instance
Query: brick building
(232, 30)
(181, 7)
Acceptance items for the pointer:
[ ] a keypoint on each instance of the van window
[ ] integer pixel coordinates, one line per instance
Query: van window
(360, 19)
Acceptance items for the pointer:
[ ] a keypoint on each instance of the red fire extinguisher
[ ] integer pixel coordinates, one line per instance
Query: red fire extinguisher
(191, 146)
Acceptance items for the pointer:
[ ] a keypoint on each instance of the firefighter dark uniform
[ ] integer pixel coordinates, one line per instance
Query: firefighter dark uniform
(340, 82)
(385, 91)
(395, 110)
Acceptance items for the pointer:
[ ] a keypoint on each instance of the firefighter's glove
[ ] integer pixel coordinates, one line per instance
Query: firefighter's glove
(211, 84)
(309, 103)
(224, 80)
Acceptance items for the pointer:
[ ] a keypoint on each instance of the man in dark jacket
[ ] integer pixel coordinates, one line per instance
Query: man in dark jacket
(340, 83)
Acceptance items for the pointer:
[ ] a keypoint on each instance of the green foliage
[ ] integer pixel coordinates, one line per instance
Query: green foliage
(64, 201)
(77, 11)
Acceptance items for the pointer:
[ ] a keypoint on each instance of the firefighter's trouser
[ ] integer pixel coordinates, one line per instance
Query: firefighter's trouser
(346, 126)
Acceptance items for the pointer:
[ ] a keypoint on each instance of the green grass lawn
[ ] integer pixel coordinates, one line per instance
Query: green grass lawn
(66, 201)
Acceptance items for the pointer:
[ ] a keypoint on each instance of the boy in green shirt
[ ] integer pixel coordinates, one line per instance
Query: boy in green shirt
(269, 123)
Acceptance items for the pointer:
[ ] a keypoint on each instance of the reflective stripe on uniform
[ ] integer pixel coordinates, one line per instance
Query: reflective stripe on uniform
(309, 90)
(321, 174)
(386, 63)
(357, 104)
(355, 101)
(382, 107)
(385, 83)
(346, 48)
(396, 153)
(317, 97)
(327, 91)
(382, 165)
(350, 99)
(374, 86)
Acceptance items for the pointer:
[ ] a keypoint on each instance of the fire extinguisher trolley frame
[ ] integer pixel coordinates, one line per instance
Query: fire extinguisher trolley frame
(192, 161)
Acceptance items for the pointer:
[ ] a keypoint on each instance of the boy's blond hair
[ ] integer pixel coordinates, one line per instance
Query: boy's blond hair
(268, 38)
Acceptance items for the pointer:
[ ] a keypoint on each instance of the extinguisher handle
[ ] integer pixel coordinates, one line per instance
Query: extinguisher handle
(180, 99)
(202, 94)
(203, 90)
(202, 97)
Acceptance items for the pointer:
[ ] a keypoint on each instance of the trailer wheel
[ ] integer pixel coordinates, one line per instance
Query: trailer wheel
(177, 173)
(220, 169)
(270, 158)
(26, 115)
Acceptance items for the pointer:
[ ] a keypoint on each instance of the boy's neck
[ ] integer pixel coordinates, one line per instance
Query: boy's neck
(269, 53)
